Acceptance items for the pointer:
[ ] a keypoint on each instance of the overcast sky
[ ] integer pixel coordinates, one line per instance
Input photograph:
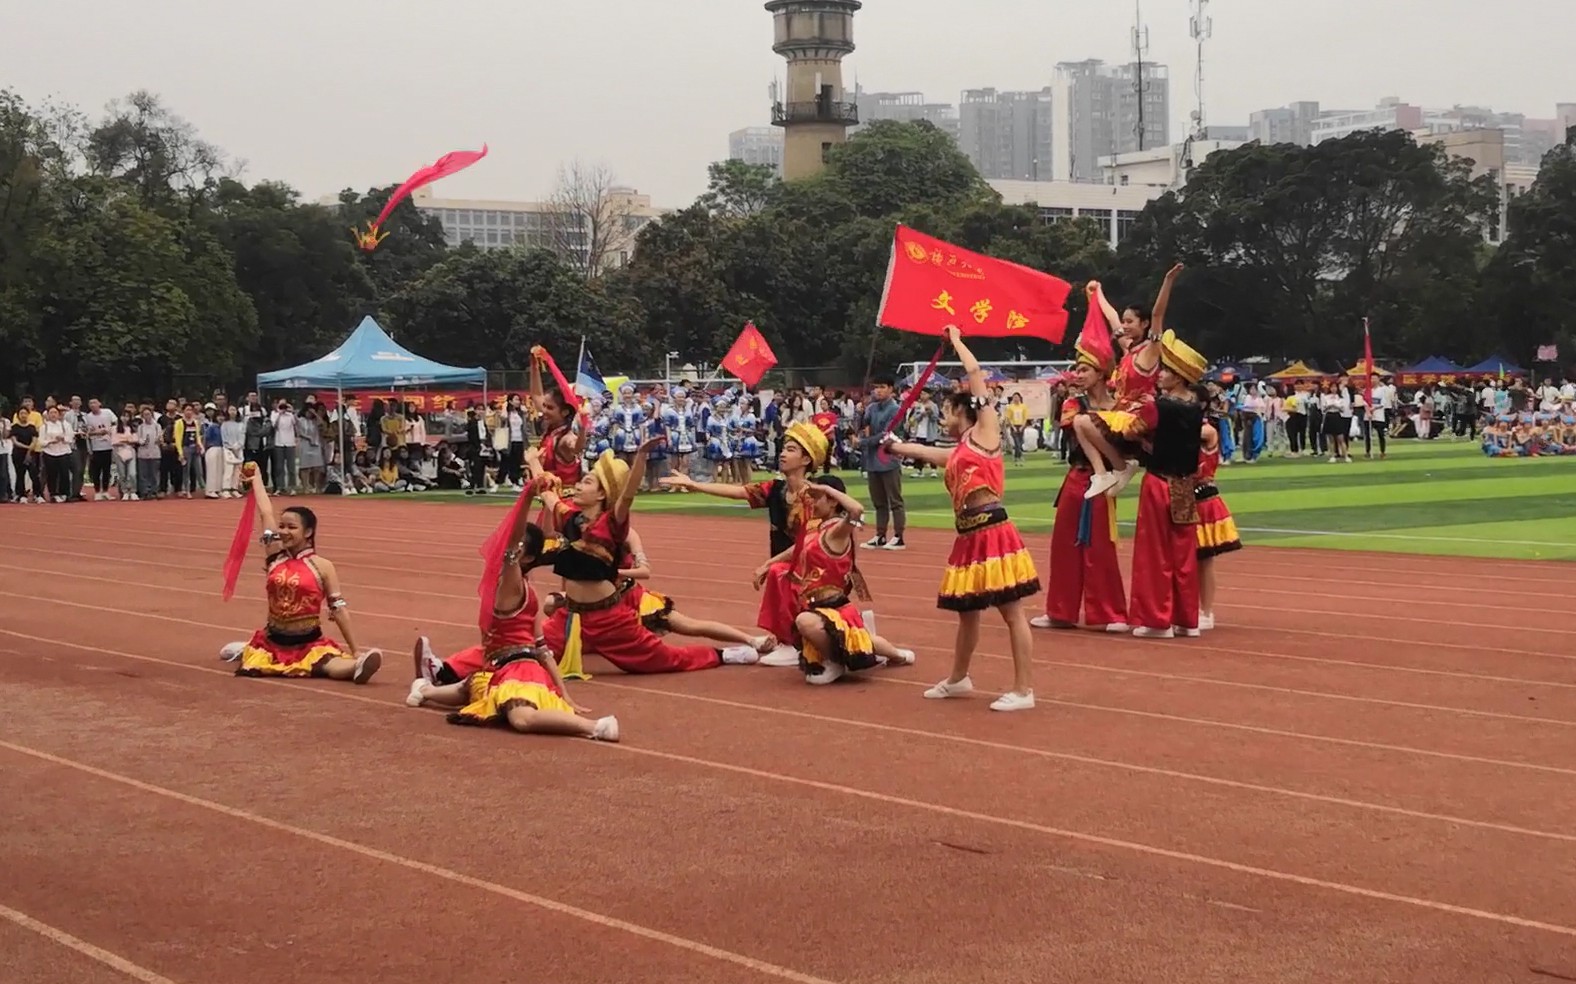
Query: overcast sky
(335, 93)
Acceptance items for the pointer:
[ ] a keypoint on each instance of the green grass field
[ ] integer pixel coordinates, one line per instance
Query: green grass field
(1440, 498)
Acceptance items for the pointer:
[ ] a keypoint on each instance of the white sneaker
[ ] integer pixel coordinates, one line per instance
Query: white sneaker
(367, 664)
(948, 688)
(1119, 627)
(763, 644)
(1182, 632)
(829, 673)
(876, 543)
(1013, 701)
(1206, 620)
(1101, 484)
(606, 730)
(1144, 632)
(740, 656)
(1129, 469)
(232, 652)
(428, 665)
(418, 693)
(132, 497)
(783, 655)
(904, 657)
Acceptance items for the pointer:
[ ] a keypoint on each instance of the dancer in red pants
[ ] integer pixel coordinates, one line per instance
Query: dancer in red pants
(1164, 599)
(594, 617)
(1084, 568)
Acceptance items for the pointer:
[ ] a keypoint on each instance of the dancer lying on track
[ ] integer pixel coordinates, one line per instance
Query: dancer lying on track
(658, 613)
(806, 445)
(300, 583)
(516, 682)
(595, 617)
(989, 566)
(823, 573)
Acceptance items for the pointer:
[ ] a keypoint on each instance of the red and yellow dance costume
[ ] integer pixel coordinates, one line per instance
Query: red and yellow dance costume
(610, 628)
(1084, 566)
(1165, 543)
(568, 472)
(1217, 530)
(505, 675)
(292, 644)
(821, 581)
(1132, 389)
(788, 511)
(989, 564)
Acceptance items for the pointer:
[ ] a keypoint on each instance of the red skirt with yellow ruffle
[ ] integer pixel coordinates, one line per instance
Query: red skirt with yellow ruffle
(851, 643)
(988, 566)
(523, 682)
(654, 608)
(1217, 530)
(273, 653)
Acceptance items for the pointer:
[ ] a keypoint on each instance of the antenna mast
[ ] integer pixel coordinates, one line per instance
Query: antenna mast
(1202, 28)
(1140, 51)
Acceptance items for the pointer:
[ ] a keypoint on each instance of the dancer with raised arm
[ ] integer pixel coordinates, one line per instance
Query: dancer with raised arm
(989, 567)
(805, 449)
(300, 583)
(562, 435)
(592, 616)
(1109, 438)
(512, 680)
(824, 578)
(1084, 569)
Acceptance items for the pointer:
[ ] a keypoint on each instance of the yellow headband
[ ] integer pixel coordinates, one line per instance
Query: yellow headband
(611, 474)
(1181, 358)
(814, 441)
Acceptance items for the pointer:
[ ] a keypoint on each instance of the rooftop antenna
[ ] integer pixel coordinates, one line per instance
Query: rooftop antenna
(1140, 51)
(1202, 28)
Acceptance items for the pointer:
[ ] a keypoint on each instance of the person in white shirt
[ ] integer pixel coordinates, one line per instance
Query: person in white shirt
(284, 421)
(56, 440)
(1377, 422)
(1336, 408)
(99, 425)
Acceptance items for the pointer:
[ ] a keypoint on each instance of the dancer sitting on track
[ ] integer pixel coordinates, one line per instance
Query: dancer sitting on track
(299, 583)
(657, 611)
(595, 617)
(515, 682)
(805, 448)
(823, 573)
(989, 566)
(1163, 600)
(1084, 569)
(1217, 530)
(1109, 438)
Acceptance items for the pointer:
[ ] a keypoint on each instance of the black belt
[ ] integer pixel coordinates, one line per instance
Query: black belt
(974, 520)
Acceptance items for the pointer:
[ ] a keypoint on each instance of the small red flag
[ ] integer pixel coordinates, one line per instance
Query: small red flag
(931, 284)
(1368, 367)
(750, 356)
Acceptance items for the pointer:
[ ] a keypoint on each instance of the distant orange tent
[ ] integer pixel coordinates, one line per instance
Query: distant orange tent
(1361, 369)
(1298, 370)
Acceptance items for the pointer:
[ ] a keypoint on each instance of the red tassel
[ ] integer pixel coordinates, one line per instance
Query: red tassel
(564, 387)
(492, 551)
(243, 538)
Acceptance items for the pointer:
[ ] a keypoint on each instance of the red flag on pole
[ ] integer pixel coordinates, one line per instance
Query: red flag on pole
(931, 284)
(750, 356)
(1368, 367)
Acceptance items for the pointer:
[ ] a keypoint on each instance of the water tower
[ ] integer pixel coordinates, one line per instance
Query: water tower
(813, 36)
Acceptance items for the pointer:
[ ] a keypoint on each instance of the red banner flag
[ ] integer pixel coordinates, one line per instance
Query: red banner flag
(1368, 367)
(931, 284)
(750, 356)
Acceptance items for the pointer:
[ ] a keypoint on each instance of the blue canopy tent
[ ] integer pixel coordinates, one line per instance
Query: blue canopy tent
(1497, 365)
(369, 359)
(1437, 365)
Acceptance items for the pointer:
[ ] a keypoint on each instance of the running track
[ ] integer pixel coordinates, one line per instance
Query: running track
(1367, 774)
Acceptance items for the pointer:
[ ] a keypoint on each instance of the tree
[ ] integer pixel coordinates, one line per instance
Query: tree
(153, 151)
(736, 190)
(1529, 291)
(592, 220)
(414, 242)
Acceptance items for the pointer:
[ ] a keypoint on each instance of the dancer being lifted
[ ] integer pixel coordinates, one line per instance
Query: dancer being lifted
(1084, 569)
(989, 566)
(595, 617)
(515, 681)
(823, 574)
(300, 583)
(806, 445)
(1109, 438)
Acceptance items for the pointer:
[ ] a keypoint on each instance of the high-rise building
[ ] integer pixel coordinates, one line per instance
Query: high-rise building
(813, 36)
(544, 225)
(1292, 124)
(761, 145)
(905, 107)
(1007, 134)
(1103, 110)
